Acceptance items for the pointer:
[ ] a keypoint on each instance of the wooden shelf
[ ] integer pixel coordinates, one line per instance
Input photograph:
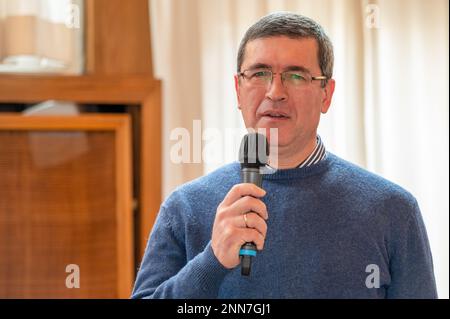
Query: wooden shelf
(101, 89)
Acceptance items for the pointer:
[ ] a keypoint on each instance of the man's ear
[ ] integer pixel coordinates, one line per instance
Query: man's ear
(328, 91)
(237, 88)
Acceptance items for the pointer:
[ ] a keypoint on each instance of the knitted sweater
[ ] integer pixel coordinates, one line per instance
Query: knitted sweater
(335, 230)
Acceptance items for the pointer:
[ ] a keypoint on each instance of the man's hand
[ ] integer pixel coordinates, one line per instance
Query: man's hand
(230, 230)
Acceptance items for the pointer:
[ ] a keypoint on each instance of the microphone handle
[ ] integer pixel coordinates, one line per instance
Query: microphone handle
(248, 250)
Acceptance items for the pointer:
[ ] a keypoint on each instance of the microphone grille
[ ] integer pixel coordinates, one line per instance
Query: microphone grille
(254, 150)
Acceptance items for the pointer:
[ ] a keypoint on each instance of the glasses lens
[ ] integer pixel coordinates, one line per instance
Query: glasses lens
(295, 78)
(259, 77)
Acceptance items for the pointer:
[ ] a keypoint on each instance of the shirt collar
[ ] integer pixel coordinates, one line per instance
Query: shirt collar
(316, 155)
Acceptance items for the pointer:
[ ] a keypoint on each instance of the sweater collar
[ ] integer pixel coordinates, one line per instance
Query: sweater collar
(299, 172)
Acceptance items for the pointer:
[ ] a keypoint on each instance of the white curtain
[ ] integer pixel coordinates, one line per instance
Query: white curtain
(390, 109)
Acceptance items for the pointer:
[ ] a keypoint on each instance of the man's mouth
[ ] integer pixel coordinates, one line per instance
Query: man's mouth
(274, 115)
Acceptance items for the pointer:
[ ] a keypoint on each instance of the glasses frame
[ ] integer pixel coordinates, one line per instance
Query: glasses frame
(313, 78)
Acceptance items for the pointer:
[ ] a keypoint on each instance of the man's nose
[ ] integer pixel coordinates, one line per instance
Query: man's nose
(276, 90)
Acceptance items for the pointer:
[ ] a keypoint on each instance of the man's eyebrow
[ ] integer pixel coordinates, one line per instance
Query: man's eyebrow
(258, 66)
(288, 68)
(297, 68)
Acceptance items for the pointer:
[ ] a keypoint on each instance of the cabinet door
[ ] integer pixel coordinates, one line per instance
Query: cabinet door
(65, 207)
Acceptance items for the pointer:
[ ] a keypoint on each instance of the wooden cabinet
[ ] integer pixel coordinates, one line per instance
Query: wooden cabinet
(66, 200)
(103, 227)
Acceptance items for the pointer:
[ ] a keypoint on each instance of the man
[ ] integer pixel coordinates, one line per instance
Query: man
(324, 228)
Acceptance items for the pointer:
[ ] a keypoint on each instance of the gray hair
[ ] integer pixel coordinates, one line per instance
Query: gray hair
(294, 26)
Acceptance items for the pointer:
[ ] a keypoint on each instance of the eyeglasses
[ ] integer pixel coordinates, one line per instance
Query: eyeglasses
(290, 79)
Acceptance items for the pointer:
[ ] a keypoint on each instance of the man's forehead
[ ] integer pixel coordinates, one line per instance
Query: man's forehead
(281, 51)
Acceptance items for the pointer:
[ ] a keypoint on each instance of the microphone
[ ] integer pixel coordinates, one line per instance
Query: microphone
(253, 154)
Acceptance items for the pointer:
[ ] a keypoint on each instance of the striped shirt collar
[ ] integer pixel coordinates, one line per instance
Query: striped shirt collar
(316, 156)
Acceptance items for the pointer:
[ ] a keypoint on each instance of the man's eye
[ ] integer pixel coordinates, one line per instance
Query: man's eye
(296, 77)
(261, 74)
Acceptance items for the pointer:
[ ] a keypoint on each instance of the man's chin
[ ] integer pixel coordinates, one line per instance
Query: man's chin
(274, 136)
(279, 141)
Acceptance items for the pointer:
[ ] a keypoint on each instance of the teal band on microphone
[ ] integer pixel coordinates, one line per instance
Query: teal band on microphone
(247, 252)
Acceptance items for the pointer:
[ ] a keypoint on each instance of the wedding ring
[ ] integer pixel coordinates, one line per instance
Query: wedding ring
(245, 220)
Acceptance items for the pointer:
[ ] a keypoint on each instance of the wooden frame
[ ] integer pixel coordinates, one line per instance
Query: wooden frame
(120, 125)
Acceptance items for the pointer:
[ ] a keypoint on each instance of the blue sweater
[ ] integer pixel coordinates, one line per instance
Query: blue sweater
(332, 229)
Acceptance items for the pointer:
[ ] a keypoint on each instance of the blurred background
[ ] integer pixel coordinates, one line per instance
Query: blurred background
(99, 97)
